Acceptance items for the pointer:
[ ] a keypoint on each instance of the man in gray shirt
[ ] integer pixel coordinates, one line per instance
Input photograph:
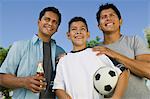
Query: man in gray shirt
(130, 51)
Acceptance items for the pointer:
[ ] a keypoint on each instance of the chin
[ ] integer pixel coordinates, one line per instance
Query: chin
(79, 44)
(47, 34)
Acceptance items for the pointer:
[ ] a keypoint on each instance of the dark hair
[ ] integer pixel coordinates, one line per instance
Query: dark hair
(107, 6)
(75, 19)
(54, 10)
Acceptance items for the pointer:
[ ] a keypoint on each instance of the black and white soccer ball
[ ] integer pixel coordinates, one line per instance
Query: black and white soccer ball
(105, 80)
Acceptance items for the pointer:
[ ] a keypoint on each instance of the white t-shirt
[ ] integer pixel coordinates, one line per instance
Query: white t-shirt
(75, 72)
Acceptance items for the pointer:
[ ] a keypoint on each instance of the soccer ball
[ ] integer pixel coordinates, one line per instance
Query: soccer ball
(105, 80)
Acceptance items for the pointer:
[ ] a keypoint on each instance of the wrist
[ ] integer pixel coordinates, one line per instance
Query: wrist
(22, 81)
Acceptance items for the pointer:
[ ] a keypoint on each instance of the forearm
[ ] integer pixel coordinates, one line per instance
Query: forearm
(138, 67)
(61, 94)
(11, 81)
(121, 85)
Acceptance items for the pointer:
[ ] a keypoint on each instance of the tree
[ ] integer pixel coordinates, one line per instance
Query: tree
(147, 34)
(3, 54)
(93, 43)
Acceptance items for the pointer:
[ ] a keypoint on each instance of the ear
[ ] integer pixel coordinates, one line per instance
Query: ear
(56, 29)
(38, 22)
(68, 35)
(88, 34)
(120, 21)
(99, 26)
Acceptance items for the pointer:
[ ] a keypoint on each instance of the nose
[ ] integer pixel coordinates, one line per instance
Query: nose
(78, 32)
(49, 22)
(108, 17)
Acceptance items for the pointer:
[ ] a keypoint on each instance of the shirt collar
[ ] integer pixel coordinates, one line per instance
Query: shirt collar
(36, 39)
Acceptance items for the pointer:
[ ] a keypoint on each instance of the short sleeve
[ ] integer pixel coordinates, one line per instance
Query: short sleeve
(59, 78)
(12, 60)
(140, 46)
(108, 61)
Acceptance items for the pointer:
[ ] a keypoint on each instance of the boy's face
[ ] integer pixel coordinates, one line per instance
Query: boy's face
(109, 21)
(48, 24)
(78, 34)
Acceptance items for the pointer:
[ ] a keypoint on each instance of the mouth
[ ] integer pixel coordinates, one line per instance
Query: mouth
(48, 28)
(109, 24)
(78, 37)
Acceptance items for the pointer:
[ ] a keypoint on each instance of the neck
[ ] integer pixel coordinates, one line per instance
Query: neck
(78, 48)
(110, 38)
(45, 38)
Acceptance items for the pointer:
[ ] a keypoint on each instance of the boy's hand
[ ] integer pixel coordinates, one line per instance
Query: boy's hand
(61, 94)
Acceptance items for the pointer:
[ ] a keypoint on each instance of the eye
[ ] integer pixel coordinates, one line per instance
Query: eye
(103, 16)
(112, 15)
(73, 29)
(83, 29)
(47, 19)
(55, 22)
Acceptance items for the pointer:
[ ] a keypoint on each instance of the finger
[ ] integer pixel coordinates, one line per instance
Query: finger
(35, 91)
(35, 81)
(99, 48)
(98, 54)
(43, 85)
(36, 88)
(39, 78)
(95, 48)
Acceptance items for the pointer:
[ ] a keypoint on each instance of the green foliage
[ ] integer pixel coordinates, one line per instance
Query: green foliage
(93, 43)
(147, 34)
(3, 54)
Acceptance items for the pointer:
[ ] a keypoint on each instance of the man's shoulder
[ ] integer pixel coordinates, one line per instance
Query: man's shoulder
(56, 48)
(59, 50)
(131, 37)
(131, 40)
(22, 42)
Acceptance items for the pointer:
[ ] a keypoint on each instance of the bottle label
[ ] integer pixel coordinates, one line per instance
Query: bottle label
(40, 68)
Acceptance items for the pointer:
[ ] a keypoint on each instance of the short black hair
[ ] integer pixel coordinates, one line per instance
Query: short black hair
(75, 19)
(107, 6)
(54, 10)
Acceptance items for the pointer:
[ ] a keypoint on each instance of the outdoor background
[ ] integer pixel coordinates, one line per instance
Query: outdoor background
(18, 21)
(18, 18)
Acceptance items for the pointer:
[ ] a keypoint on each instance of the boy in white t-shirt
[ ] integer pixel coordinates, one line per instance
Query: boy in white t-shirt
(74, 75)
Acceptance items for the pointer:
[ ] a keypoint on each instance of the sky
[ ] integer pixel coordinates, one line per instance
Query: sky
(18, 18)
